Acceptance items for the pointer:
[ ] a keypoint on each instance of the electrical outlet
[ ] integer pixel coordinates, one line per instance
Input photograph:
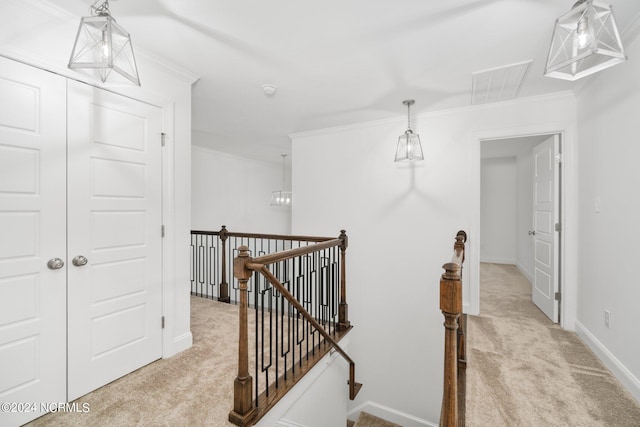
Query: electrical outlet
(607, 318)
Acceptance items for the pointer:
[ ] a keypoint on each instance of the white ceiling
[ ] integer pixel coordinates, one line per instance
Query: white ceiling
(337, 62)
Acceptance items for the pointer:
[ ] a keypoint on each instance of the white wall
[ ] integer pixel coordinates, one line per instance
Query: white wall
(318, 399)
(38, 33)
(401, 219)
(236, 191)
(609, 199)
(498, 210)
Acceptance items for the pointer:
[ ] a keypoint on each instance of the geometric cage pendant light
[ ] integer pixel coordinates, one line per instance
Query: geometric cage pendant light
(585, 40)
(103, 45)
(409, 147)
(281, 197)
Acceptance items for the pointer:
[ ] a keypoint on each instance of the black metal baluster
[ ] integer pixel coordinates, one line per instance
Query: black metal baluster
(193, 262)
(211, 267)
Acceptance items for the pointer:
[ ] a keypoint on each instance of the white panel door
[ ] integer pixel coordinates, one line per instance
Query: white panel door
(32, 231)
(114, 191)
(545, 216)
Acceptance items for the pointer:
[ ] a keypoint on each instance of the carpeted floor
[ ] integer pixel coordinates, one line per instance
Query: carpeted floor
(193, 388)
(523, 370)
(368, 420)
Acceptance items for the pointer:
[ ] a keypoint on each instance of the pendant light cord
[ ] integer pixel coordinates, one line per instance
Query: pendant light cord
(283, 174)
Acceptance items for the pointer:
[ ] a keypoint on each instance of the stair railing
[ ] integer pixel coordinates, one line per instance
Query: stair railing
(212, 254)
(454, 390)
(301, 301)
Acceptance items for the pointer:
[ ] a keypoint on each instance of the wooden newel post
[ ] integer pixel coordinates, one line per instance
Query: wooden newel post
(461, 239)
(451, 306)
(343, 308)
(243, 409)
(224, 286)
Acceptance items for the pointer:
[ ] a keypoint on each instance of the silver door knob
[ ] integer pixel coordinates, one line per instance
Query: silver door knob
(532, 233)
(79, 261)
(55, 264)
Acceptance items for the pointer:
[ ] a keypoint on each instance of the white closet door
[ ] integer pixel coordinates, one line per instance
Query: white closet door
(114, 191)
(32, 231)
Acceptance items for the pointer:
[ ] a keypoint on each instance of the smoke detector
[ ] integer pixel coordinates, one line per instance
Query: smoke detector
(269, 89)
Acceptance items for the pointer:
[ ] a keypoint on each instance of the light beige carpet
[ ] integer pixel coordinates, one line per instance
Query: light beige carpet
(368, 420)
(193, 388)
(523, 370)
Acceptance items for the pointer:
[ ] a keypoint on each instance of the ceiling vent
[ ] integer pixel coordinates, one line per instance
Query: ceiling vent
(498, 84)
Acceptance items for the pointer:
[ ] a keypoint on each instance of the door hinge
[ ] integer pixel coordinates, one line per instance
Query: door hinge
(558, 158)
(162, 322)
(558, 296)
(558, 226)
(162, 231)
(163, 137)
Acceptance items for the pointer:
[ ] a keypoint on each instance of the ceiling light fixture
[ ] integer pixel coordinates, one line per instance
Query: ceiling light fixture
(409, 147)
(585, 40)
(104, 45)
(281, 197)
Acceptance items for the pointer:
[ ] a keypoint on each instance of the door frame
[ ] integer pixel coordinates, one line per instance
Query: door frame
(568, 213)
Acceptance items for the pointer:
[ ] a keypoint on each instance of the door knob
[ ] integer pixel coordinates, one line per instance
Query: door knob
(79, 261)
(55, 264)
(532, 233)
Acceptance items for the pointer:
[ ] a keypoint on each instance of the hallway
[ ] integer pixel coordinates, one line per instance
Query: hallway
(524, 370)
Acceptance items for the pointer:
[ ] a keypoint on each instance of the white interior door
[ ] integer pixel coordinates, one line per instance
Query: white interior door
(32, 231)
(114, 191)
(545, 216)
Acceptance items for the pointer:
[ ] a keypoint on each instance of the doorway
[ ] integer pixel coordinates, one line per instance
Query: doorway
(520, 212)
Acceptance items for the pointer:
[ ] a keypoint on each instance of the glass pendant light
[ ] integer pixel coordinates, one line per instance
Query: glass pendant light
(585, 40)
(281, 197)
(409, 147)
(104, 45)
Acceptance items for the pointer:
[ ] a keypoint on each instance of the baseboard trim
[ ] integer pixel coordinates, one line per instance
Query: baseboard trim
(628, 380)
(466, 308)
(525, 273)
(181, 343)
(389, 414)
(491, 260)
(287, 423)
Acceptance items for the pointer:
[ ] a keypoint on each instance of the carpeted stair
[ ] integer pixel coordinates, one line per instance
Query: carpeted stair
(368, 420)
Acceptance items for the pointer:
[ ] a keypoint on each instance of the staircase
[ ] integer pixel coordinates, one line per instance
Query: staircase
(368, 420)
(294, 289)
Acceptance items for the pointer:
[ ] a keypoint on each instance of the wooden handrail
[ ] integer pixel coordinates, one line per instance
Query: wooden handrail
(263, 236)
(454, 393)
(296, 252)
